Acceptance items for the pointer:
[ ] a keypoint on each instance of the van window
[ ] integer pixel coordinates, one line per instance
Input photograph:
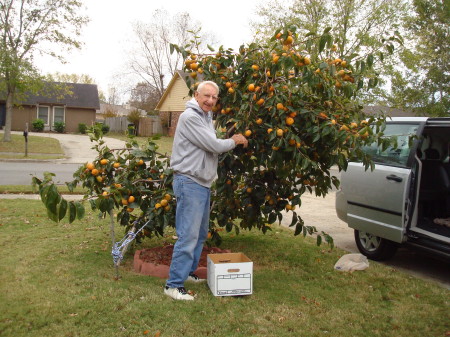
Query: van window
(394, 156)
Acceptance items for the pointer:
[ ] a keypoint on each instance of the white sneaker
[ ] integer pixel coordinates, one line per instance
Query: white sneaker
(194, 278)
(178, 293)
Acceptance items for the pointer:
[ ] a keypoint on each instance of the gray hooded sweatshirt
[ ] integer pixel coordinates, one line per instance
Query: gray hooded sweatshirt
(196, 146)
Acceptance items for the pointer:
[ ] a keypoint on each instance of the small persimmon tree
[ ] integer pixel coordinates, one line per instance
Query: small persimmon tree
(300, 114)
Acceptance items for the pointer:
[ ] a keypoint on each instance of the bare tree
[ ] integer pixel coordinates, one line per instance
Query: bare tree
(144, 96)
(152, 61)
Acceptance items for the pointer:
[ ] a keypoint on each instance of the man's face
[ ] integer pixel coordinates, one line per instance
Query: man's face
(207, 98)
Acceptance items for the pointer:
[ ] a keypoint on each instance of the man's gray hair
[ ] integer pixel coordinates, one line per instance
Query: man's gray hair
(202, 84)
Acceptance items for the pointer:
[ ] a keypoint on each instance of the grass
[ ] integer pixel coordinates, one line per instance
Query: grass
(38, 148)
(164, 142)
(27, 189)
(57, 280)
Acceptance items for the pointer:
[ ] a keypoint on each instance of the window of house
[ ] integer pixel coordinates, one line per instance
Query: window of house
(43, 113)
(58, 114)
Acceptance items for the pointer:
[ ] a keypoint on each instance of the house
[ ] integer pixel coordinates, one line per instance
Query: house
(173, 101)
(71, 103)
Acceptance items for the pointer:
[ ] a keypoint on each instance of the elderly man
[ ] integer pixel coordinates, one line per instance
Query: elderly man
(194, 161)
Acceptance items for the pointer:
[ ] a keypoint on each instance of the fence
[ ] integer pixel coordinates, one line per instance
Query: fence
(148, 126)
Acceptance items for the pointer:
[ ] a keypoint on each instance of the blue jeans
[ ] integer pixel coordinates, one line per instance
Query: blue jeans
(192, 225)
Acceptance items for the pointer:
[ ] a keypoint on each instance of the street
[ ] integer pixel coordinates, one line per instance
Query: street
(20, 173)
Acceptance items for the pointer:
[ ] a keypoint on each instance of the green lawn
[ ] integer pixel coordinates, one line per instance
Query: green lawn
(58, 280)
(38, 148)
(27, 189)
(164, 142)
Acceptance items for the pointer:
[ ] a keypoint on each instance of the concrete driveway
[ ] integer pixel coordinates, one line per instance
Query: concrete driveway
(320, 212)
(77, 148)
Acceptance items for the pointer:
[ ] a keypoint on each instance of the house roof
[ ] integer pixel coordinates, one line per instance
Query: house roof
(178, 74)
(74, 95)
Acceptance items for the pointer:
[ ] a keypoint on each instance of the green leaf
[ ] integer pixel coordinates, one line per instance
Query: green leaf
(316, 137)
(62, 209)
(326, 30)
(71, 186)
(348, 91)
(363, 66)
(332, 70)
(298, 228)
(80, 210)
(322, 42)
(94, 205)
(328, 239)
(360, 84)
(294, 219)
(52, 200)
(210, 48)
(43, 193)
(72, 212)
(103, 205)
(370, 60)
(52, 216)
(319, 240)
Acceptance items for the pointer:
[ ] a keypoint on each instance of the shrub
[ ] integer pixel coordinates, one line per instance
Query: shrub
(82, 128)
(38, 125)
(100, 127)
(105, 129)
(59, 127)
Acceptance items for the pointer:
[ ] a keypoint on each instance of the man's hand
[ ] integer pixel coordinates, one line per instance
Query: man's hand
(240, 139)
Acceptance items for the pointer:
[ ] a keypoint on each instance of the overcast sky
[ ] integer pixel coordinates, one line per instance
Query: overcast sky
(106, 38)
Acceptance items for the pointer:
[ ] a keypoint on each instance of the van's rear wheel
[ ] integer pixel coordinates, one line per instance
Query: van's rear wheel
(374, 247)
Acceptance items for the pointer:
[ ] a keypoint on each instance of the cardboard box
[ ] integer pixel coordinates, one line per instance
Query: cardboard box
(230, 274)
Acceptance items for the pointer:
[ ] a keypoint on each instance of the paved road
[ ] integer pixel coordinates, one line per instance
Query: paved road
(16, 173)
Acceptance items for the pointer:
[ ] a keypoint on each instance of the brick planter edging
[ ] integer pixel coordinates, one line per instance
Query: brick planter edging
(162, 270)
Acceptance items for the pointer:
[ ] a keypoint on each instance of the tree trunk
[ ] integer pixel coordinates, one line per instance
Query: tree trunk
(8, 120)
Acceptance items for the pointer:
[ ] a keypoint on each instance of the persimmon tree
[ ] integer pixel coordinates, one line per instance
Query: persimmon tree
(300, 114)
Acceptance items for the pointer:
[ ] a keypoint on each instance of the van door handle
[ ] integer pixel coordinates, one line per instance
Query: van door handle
(394, 177)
